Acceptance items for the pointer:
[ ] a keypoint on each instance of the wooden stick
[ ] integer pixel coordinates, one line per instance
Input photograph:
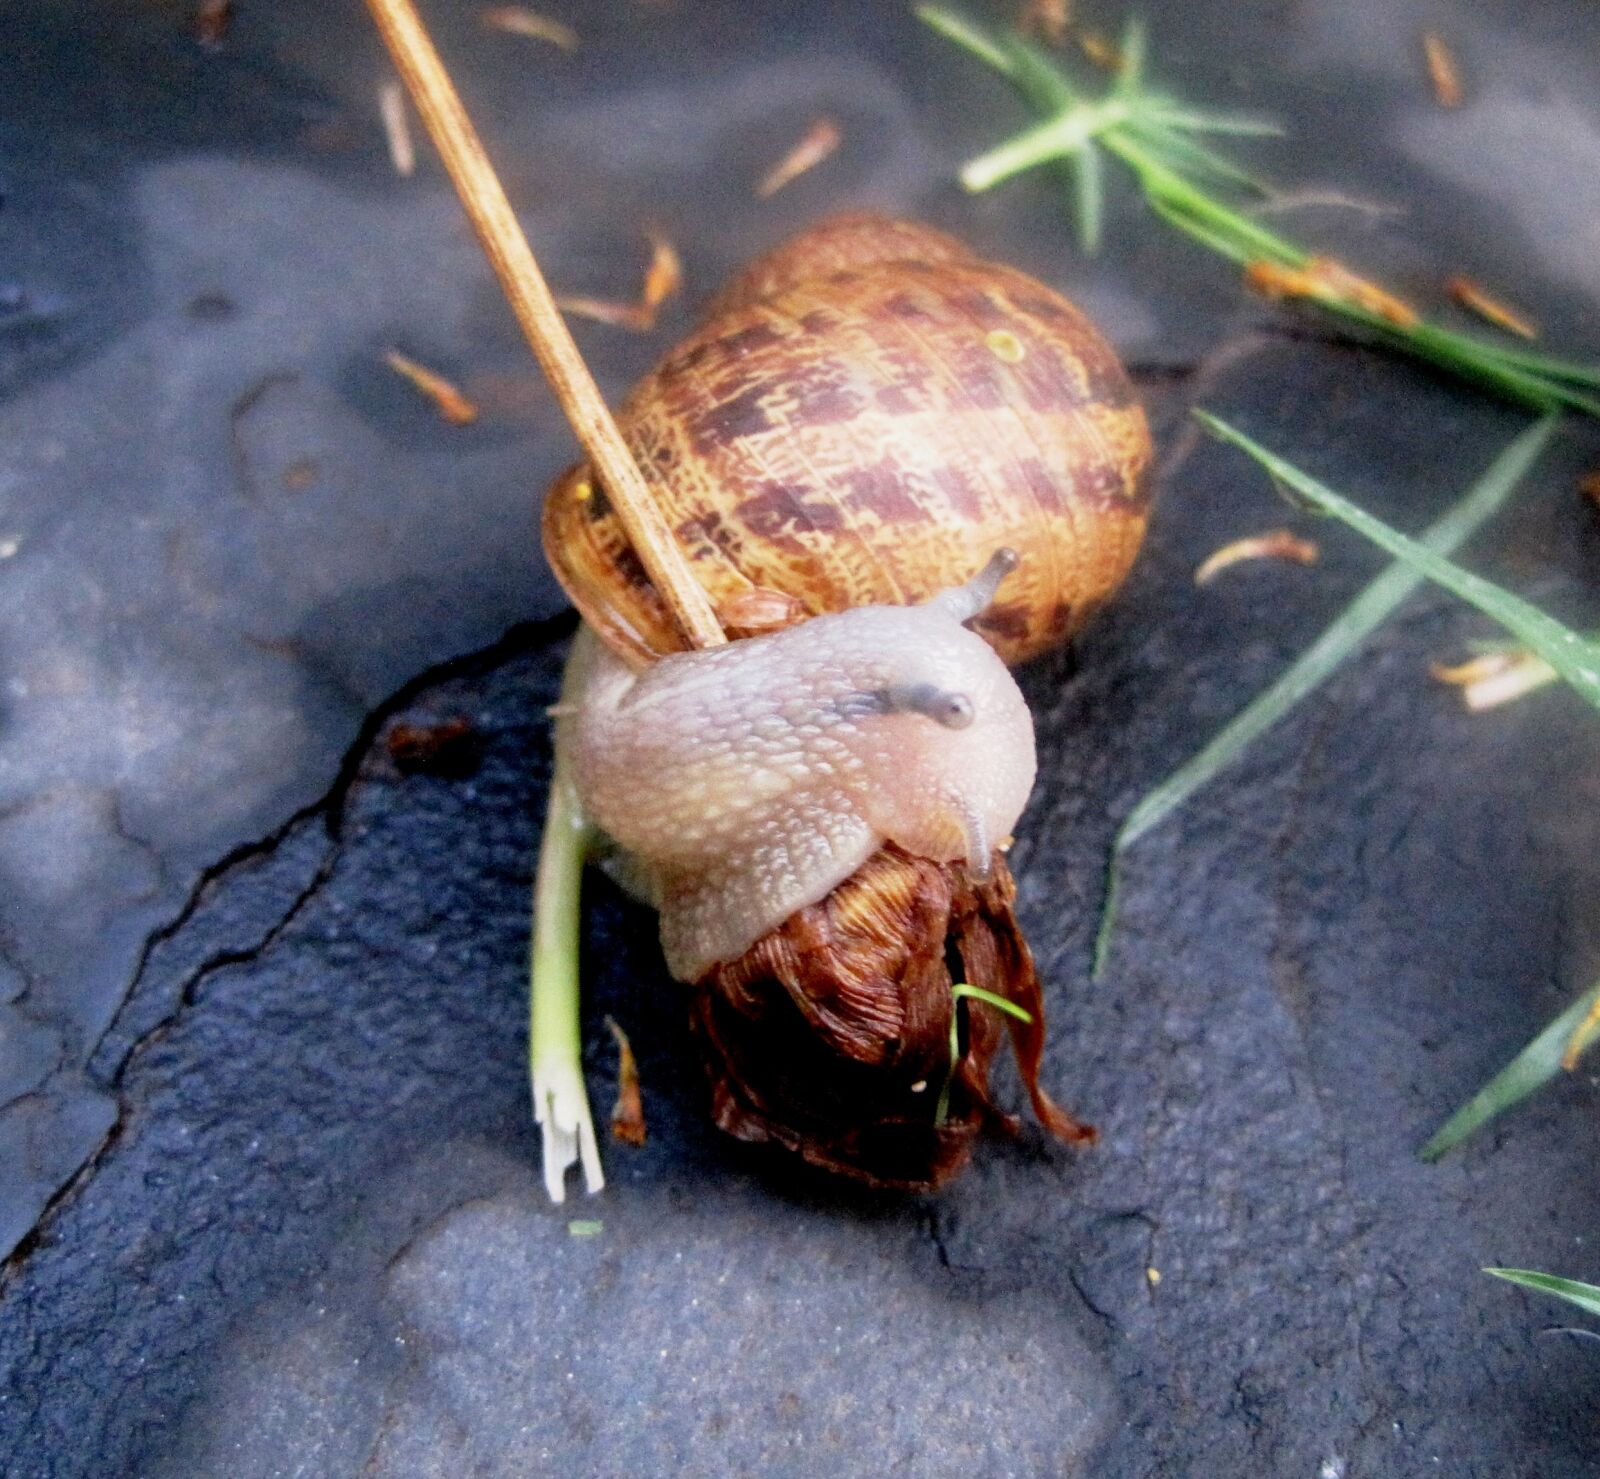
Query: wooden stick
(507, 249)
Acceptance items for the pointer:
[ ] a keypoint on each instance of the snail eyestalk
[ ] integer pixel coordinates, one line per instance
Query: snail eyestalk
(555, 1037)
(977, 595)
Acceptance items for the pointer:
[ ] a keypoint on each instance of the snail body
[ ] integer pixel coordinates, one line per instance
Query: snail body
(750, 780)
(865, 415)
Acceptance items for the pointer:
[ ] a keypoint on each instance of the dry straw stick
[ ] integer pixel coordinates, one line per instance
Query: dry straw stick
(525, 288)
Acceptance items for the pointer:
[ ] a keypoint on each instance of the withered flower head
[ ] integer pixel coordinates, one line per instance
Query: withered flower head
(830, 1036)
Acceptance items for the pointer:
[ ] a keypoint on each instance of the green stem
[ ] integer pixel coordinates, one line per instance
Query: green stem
(1055, 138)
(555, 1035)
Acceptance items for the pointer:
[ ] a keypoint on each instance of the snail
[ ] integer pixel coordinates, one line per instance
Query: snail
(895, 468)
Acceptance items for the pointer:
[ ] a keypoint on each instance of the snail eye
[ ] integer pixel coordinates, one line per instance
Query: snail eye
(943, 705)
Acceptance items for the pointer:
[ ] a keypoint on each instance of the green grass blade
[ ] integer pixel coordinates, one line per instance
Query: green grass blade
(1089, 178)
(1585, 1296)
(1574, 657)
(977, 993)
(1352, 627)
(1556, 369)
(1202, 121)
(954, 26)
(1179, 153)
(1531, 1069)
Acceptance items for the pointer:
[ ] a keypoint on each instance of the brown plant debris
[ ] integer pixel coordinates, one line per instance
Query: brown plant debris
(1483, 303)
(1327, 281)
(518, 20)
(1589, 486)
(1101, 50)
(1276, 544)
(627, 1115)
(1582, 1037)
(447, 748)
(662, 278)
(1442, 70)
(1495, 678)
(830, 1037)
(1050, 20)
(447, 400)
(814, 145)
(212, 18)
(397, 128)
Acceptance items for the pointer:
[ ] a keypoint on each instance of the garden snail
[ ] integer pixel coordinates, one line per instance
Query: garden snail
(866, 419)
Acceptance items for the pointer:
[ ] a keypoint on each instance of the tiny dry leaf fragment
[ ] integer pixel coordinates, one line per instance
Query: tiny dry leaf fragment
(397, 129)
(815, 145)
(627, 1115)
(662, 278)
(447, 400)
(1101, 50)
(1442, 70)
(447, 748)
(1579, 1042)
(211, 21)
(1589, 486)
(1049, 20)
(1495, 678)
(1276, 544)
(1328, 281)
(1489, 308)
(518, 20)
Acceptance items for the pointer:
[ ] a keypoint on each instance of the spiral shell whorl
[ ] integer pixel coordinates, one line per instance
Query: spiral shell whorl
(867, 413)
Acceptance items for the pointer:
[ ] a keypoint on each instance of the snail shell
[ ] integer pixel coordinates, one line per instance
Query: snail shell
(866, 415)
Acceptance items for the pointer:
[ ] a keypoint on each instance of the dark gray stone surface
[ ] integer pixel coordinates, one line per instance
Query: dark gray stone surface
(261, 995)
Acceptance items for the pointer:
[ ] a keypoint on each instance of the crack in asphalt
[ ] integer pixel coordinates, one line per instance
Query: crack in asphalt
(330, 806)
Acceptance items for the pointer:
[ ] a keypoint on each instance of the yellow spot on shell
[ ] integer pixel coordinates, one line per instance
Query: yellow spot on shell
(1005, 345)
(582, 492)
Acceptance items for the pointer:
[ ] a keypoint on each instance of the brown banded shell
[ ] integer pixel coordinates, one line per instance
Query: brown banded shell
(865, 416)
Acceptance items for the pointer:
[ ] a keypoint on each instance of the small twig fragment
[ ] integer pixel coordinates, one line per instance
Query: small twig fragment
(447, 400)
(1049, 20)
(397, 129)
(662, 278)
(1481, 302)
(448, 748)
(627, 1116)
(1276, 544)
(1442, 71)
(211, 21)
(1328, 281)
(518, 20)
(1589, 486)
(815, 145)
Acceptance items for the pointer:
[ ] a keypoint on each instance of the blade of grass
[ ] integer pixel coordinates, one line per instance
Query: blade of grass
(1531, 1069)
(1574, 657)
(1145, 130)
(958, 992)
(1585, 1296)
(1353, 626)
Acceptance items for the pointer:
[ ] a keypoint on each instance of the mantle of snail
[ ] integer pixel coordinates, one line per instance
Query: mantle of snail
(324, 1153)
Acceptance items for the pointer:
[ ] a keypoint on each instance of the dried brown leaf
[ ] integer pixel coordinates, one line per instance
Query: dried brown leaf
(815, 145)
(664, 276)
(1483, 303)
(627, 1116)
(518, 20)
(447, 400)
(1276, 544)
(1442, 71)
(1101, 50)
